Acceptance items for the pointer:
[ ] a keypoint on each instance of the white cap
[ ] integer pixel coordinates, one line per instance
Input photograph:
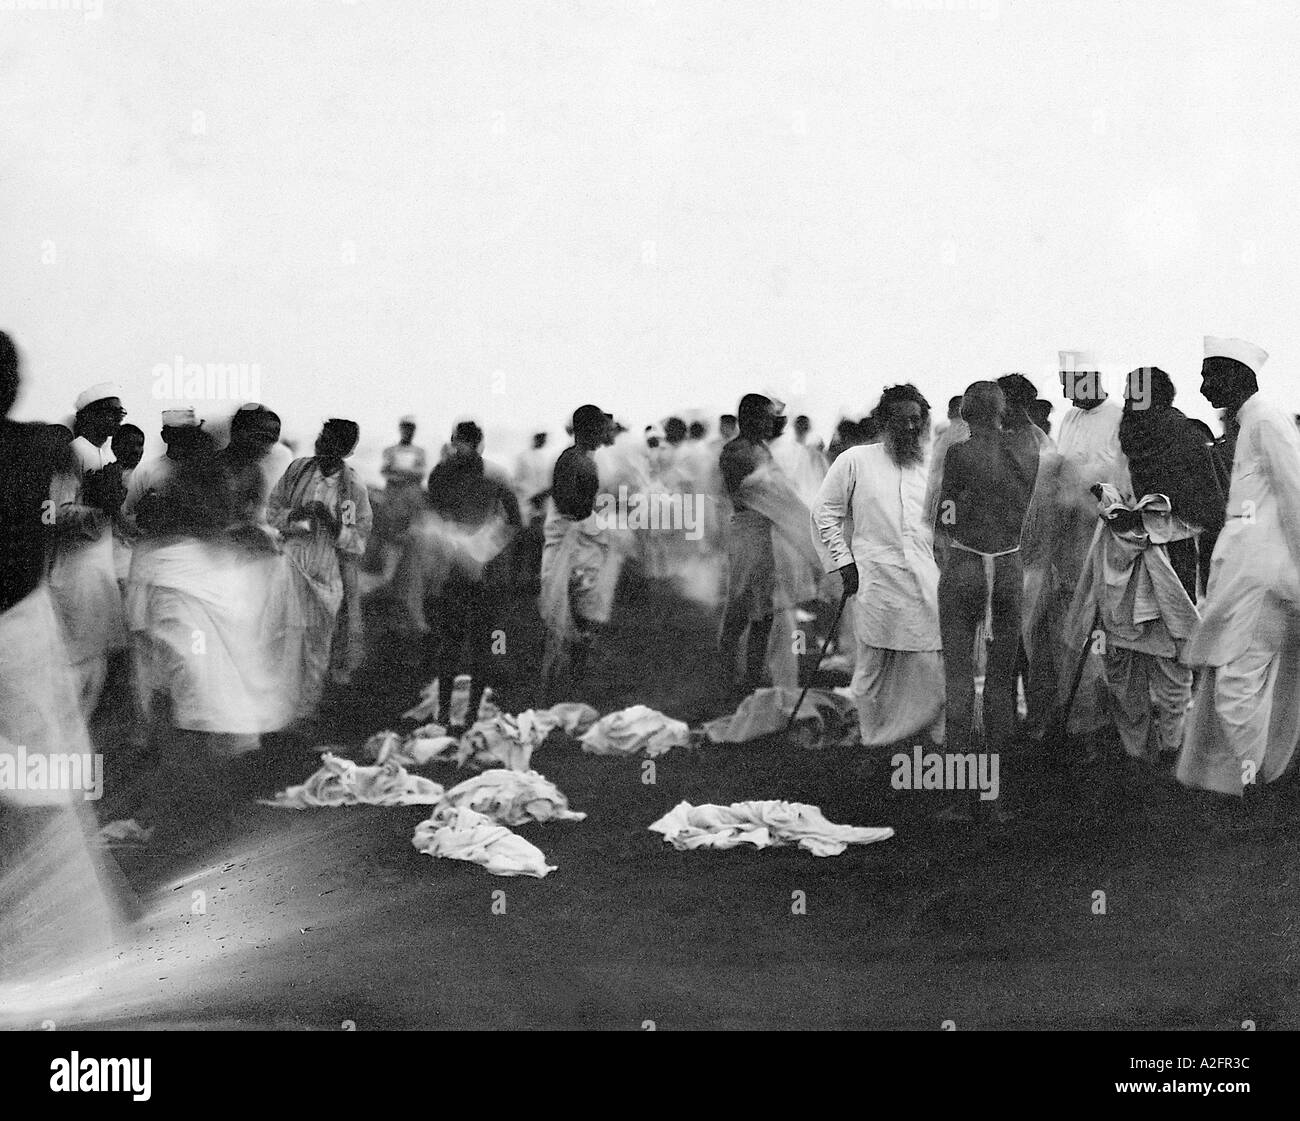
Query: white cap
(1248, 354)
(1077, 361)
(100, 392)
(179, 418)
(408, 419)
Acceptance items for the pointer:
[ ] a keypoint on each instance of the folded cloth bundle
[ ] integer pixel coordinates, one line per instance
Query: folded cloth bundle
(761, 824)
(635, 729)
(764, 712)
(341, 782)
(512, 797)
(459, 833)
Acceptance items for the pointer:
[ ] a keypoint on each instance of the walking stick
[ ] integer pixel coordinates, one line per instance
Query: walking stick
(835, 626)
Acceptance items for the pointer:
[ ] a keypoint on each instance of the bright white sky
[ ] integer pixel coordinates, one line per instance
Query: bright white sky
(504, 209)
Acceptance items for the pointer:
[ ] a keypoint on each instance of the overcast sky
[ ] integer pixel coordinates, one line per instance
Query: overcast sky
(502, 210)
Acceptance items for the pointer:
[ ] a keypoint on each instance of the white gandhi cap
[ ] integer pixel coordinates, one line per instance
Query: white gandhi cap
(1248, 354)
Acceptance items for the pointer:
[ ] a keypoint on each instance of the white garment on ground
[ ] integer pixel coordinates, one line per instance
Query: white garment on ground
(766, 712)
(429, 744)
(504, 740)
(459, 833)
(634, 730)
(341, 782)
(761, 824)
(512, 797)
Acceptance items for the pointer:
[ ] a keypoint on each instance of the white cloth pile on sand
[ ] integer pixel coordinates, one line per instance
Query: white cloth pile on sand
(499, 740)
(512, 797)
(341, 782)
(826, 717)
(470, 822)
(761, 824)
(459, 833)
(634, 730)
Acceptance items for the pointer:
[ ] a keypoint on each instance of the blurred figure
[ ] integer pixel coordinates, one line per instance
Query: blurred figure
(954, 414)
(216, 633)
(804, 463)
(128, 447)
(405, 466)
(1090, 453)
(254, 460)
(462, 540)
(579, 572)
(322, 511)
(83, 579)
(533, 478)
(54, 904)
(1040, 412)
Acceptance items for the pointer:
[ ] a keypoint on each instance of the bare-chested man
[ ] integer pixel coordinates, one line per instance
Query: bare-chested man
(988, 481)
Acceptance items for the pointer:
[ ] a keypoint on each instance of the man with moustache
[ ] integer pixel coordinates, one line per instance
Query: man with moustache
(898, 682)
(1245, 719)
(1089, 453)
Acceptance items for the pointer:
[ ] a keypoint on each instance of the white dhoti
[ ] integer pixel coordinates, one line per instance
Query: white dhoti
(899, 694)
(214, 627)
(1245, 721)
(83, 583)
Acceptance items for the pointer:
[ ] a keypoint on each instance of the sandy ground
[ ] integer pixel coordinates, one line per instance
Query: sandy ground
(330, 920)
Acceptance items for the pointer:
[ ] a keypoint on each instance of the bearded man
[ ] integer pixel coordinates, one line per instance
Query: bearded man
(889, 566)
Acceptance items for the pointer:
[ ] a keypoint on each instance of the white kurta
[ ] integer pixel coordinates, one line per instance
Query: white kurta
(1246, 715)
(897, 604)
(871, 511)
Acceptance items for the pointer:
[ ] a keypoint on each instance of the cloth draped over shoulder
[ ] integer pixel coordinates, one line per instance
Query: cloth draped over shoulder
(1143, 605)
(768, 494)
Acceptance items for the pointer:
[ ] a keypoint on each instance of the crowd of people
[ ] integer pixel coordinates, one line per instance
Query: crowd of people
(987, 582)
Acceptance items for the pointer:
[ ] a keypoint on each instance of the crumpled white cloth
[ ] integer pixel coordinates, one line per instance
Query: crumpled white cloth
(831, 715)
(341, 782)
(429, 744)
(635, 729)
(761, 824)
(512, 797)
(460, 833)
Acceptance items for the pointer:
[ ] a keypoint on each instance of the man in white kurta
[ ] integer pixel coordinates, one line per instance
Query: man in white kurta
(887, 558)
(1089, 453)
(1246, 714)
